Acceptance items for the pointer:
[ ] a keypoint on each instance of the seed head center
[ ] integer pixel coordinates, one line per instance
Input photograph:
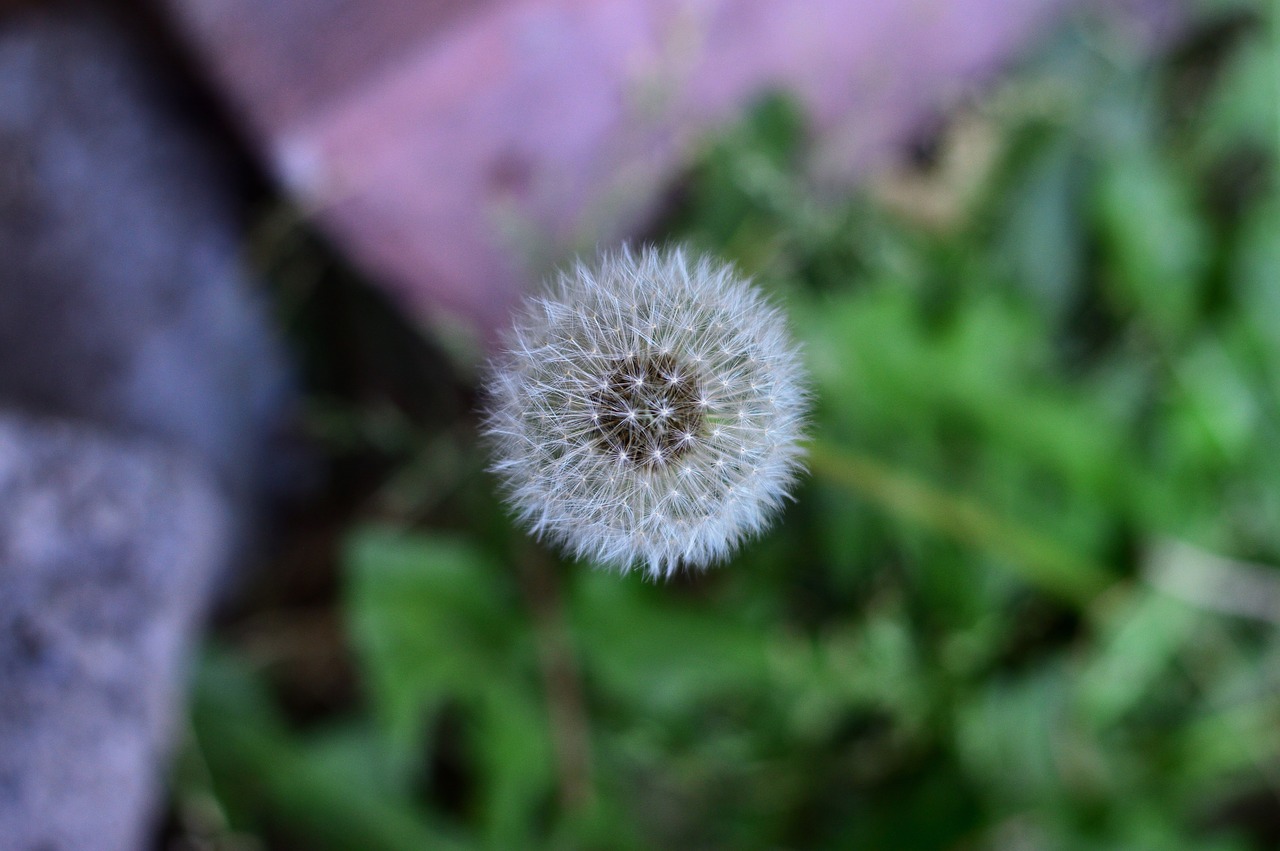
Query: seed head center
(647, 412)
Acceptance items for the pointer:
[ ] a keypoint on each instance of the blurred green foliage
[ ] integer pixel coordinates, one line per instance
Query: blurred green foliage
(1022, 602)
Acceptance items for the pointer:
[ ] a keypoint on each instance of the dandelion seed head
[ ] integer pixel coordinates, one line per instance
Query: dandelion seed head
(647, 411)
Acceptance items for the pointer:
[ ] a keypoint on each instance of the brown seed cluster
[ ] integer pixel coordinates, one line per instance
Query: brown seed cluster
(647, 412)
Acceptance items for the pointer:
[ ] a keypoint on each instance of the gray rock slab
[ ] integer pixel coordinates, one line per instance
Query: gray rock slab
(124, 299)
(143, 392)
(107, 549)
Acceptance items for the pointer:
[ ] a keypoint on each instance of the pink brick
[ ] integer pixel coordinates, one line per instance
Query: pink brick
(456, 149)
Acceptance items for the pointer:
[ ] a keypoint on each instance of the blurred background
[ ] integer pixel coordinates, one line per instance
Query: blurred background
(1028, 596)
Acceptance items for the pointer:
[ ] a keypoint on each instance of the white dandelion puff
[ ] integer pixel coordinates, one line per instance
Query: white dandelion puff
(647, 411)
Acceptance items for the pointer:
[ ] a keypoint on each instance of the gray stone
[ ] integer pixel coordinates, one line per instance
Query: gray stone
(140, 391)
(107, 549)
(123, 296)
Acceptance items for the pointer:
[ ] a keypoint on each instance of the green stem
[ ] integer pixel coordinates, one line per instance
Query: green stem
(1037, 559)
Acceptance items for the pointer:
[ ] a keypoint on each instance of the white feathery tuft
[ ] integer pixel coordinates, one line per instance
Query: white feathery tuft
(647, 411)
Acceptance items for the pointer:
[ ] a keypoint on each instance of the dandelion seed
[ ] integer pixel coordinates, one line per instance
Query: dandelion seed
(664, 351)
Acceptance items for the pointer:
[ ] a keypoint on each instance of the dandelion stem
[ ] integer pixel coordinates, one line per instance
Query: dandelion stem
(561, 680)
(1037, 559)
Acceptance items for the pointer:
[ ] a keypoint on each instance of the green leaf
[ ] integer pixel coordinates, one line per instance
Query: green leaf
(329, 789)
(430, 621)
(1155, 238)
(434, 623)
(1142, 632)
